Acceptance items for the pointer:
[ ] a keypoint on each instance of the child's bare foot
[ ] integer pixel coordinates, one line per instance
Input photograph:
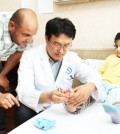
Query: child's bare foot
(71, 108)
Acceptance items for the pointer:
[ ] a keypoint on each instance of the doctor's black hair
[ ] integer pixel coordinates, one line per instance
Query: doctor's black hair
(117, 37)
(57, 26)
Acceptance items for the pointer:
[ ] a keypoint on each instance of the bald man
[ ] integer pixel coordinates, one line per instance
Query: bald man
(15, 36)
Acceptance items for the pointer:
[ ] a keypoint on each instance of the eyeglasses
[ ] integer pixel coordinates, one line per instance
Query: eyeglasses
(58, 46)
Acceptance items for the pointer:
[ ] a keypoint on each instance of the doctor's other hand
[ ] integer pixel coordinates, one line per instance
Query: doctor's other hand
(7, 100)
(59, 96)
(81, 94)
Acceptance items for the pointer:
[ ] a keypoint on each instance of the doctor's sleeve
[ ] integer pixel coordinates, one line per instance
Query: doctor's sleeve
(26, 91)
(86, 74)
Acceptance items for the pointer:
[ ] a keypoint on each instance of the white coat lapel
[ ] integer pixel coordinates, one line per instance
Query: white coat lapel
(63, 69)
(44, 60)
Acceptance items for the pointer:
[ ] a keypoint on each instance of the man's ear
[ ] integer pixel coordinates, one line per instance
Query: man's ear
(11, 26)
(46, 38)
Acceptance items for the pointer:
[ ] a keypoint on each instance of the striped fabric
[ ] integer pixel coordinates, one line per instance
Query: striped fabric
(7, 47)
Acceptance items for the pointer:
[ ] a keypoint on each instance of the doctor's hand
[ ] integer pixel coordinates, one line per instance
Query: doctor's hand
(81, 94)
(7, 100)
(58, 96)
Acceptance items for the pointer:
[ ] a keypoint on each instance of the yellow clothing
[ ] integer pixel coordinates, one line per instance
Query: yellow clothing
(110, 69)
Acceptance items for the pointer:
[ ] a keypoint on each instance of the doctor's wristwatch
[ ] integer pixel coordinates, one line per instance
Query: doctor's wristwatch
(81, 107)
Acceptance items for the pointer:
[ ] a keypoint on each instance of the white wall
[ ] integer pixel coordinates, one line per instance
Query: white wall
(9, 5)
(96, 22)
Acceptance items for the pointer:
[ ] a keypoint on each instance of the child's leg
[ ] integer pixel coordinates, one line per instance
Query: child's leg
(112, 103)
(110, 93)
(113, 96)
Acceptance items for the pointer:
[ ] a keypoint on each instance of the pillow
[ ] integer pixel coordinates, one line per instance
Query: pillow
(94, 63)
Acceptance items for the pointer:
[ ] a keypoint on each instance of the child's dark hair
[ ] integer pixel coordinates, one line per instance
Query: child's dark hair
(117, 37)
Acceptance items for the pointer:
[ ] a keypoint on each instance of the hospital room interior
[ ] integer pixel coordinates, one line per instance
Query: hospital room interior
(96, 21)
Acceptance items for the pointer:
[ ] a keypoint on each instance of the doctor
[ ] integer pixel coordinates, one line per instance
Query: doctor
(51, 66)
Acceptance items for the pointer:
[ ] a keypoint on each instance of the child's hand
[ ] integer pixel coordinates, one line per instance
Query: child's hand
(115, 103)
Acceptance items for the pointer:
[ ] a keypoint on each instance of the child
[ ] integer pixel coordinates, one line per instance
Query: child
(110, 72)
(110, 69)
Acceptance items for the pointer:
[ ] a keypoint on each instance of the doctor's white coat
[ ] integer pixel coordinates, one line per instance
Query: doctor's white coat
(35, 75)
